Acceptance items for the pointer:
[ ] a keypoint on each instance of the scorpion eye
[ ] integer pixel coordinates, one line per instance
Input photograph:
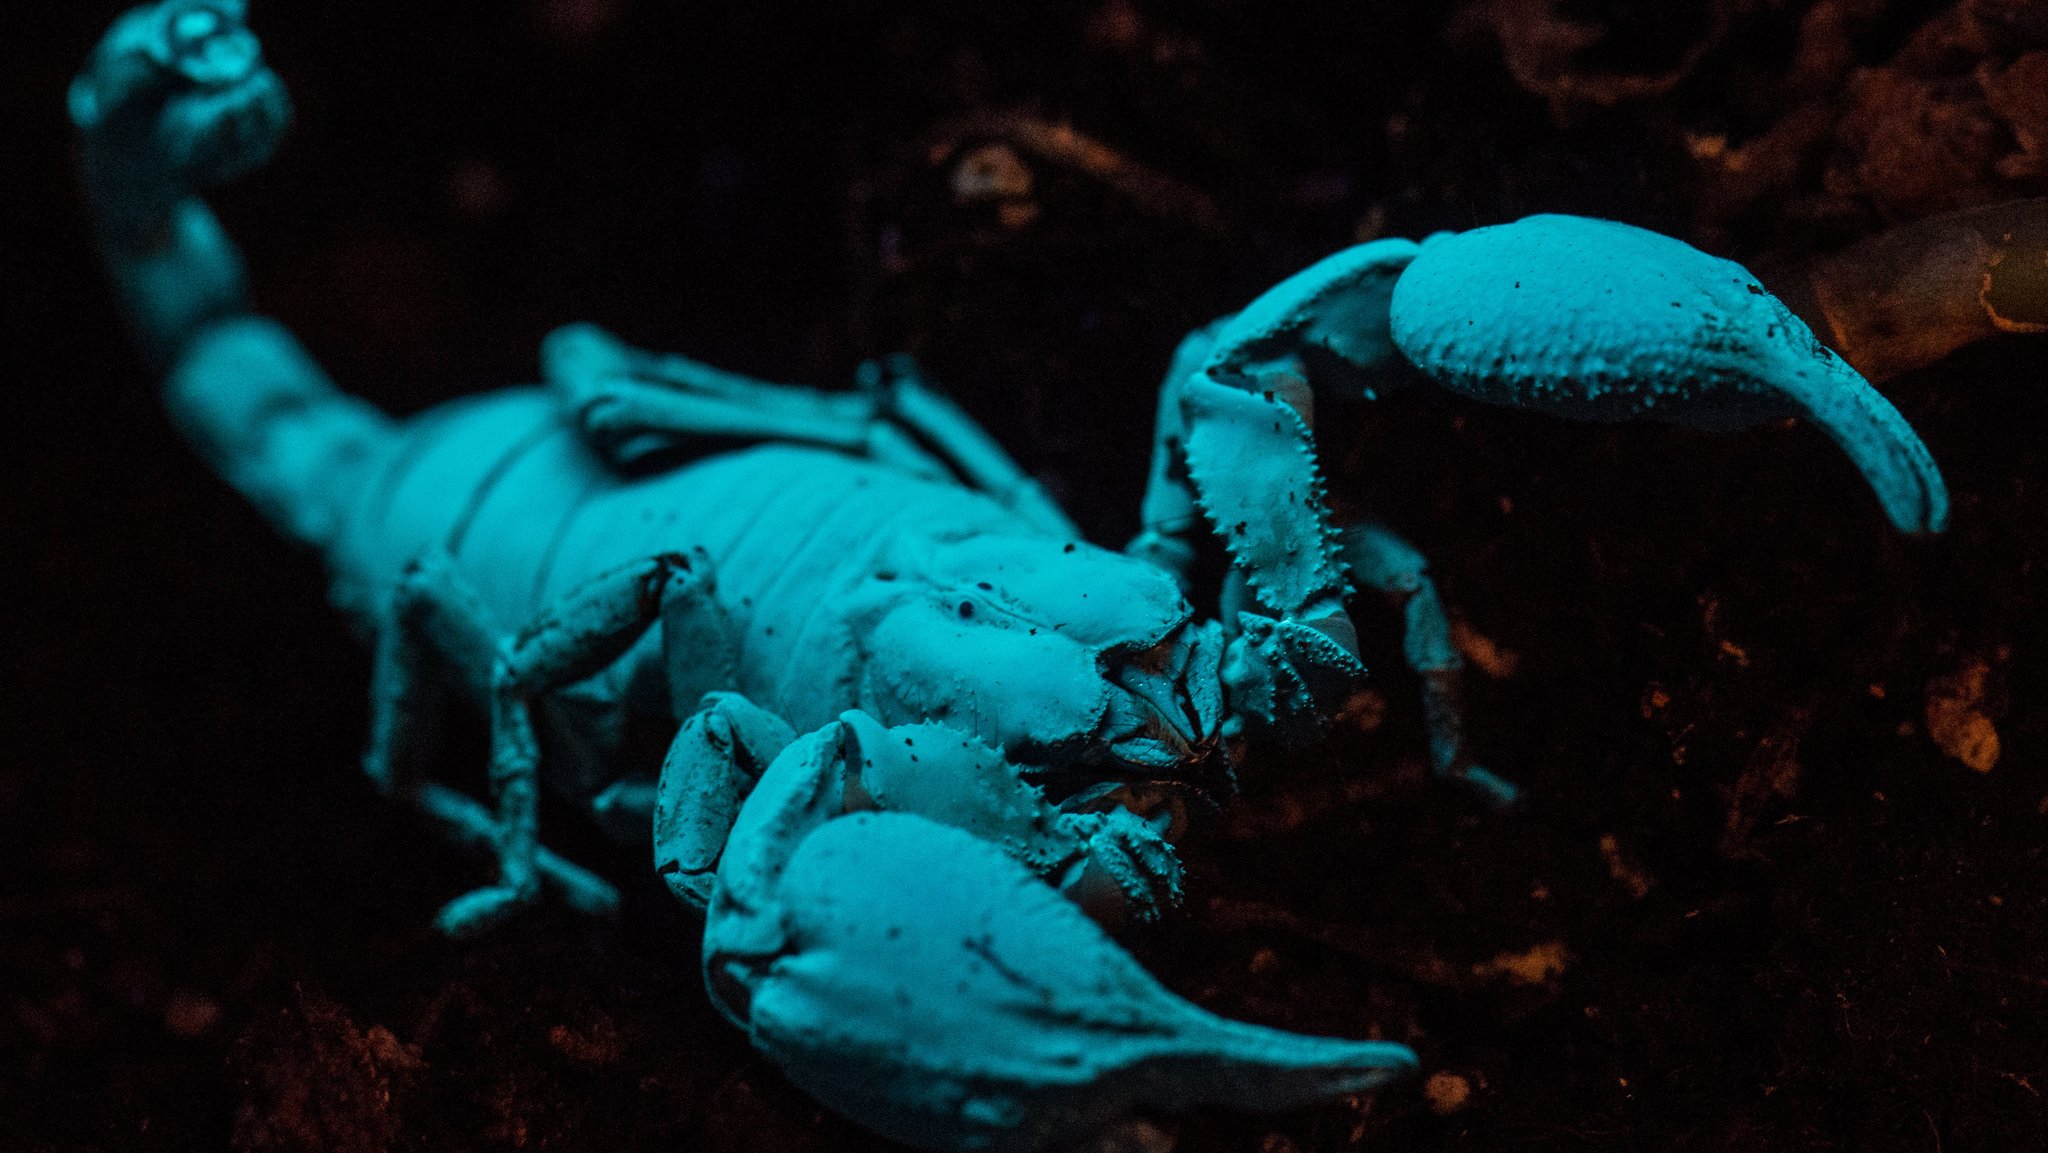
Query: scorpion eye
(966, 610)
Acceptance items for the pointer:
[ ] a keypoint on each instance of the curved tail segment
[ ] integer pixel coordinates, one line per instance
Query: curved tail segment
(250, 398)
(175, 100)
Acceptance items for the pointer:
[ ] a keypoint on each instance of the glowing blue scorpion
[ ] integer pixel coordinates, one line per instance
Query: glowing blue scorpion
(931, 745)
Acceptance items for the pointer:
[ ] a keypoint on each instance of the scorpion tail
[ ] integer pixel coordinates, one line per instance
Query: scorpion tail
(264, 415)
(929, 986)
(175, 100)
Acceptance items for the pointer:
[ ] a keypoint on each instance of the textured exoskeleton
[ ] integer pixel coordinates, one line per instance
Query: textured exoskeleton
(1588, 319)
(927, 743)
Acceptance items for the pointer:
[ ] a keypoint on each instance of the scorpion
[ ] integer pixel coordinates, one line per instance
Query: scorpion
(931, 749)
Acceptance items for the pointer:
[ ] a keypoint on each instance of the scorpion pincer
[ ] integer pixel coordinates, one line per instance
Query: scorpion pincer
(928, 742)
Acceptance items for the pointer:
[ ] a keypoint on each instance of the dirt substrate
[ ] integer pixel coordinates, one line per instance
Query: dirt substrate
(1780, 880)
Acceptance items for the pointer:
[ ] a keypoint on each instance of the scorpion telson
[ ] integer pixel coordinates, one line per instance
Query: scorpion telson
(928, 744)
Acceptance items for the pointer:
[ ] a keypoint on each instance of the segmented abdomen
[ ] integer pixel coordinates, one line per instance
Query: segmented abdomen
(528, 513)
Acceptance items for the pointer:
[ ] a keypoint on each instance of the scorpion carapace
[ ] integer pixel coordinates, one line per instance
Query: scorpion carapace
(930, 746)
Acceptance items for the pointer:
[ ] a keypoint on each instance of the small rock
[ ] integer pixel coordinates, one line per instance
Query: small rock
(597, 1045)
(189, 1014)
(1446, 1093)
(1625, 871)
(991, 172)
(1532, 966)
(1956, 720)
(1363, 711)
(1486, 656)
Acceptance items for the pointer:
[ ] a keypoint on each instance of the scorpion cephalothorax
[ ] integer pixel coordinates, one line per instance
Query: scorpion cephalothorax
(929, 744)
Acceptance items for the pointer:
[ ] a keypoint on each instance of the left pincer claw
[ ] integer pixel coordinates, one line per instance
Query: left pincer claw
(931, 988)
(917, 979)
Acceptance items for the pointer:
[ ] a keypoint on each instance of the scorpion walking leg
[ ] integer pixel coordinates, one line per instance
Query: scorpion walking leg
(435, 614)
(1383, 561)
(935, 420)
(628, 402)
(700, 659)
(434, 622)
(437, 623)
(592, 626)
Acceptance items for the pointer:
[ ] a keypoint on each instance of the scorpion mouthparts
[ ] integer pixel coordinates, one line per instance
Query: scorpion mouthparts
(1155, 721)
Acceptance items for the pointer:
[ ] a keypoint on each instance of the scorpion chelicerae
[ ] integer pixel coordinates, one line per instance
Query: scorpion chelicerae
(930, 746)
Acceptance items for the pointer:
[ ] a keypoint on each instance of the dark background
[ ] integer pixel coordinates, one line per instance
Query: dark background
(1781, 917)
